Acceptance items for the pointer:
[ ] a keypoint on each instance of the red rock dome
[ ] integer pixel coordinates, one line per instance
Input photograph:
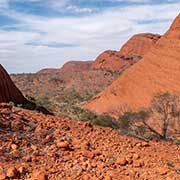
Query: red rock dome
(76, 66)
(132, 51)
(158, 71)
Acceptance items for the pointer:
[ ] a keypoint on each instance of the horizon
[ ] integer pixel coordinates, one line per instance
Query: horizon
(38, 34)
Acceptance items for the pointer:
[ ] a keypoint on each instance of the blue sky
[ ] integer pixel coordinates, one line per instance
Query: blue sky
(36, 34)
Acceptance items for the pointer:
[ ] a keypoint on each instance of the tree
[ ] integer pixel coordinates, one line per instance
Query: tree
(168, 107)
(165, 107)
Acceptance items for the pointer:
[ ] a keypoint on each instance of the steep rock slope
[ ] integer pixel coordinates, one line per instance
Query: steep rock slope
(158, 71)
(131, 52)
(34, 146)
(8, 90)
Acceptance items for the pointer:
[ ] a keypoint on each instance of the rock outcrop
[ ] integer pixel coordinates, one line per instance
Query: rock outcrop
(140, 44)
(132, 51)
(158, 71)
(111, 60)
(47, 71)
(8, 90)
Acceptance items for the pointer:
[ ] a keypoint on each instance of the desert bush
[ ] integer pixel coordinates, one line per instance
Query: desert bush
(81, 114)
(106, 121)
(175, 140)
(141, 130)
(100, 120)
(126, 121)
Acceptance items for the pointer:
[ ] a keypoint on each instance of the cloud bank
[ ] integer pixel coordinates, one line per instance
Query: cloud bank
(35, 34)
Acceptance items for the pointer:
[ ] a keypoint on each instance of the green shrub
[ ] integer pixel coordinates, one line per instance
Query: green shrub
(106, 121)
(170, 163)
(140, 130)
(176, 141)
(126, 121)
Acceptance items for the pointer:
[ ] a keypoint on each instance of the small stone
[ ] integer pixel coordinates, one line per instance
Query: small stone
(135, 156)
(89, 154)
(87, 124)
(12, 172)
(86, 177)
(84, 146)
(14, 146)
(22, 170)
(107, 177)
(2, 176)
(144, 144)
(34, 147)
(63, 144)
(138, 163)
(39, 175)
(168, 178)
(121, 161)
(163, 171)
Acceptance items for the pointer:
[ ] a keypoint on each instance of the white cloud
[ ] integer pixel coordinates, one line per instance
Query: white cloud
(93, 34)
(3, 3)
(133, 1)
(67, 5)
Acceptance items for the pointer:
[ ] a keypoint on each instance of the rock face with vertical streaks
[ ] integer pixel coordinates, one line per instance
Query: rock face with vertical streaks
(8, 91)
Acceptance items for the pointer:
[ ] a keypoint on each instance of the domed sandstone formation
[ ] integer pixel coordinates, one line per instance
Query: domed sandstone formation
(76, 66)
(132, 51)
(158, 71)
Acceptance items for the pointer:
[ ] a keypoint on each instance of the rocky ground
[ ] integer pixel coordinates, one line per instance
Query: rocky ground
(34, 146)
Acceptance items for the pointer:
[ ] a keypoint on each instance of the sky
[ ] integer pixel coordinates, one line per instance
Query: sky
(37, 34)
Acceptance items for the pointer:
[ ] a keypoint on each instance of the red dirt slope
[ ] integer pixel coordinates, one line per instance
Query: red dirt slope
(35, 146)
(8, 90)
(158, 71)
(132, 51)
